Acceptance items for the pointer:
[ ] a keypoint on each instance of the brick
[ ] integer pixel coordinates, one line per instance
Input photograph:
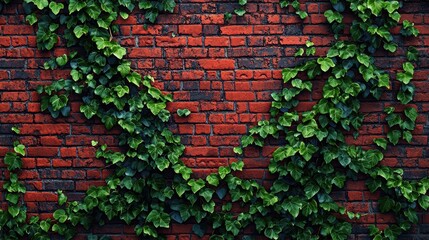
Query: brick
(194, 30)
(293, 40)
(212, 19)
(217, 63)
(170, 41)
(145, 53)
(42, 151)
(216, 41)
(236, 30)
(40, 197)
(201, 151)
(5, 41)
(45, 129)
(239, 96)
(225, 129)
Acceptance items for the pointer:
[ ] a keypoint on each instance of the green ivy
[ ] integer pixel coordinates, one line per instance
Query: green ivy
(314, 161)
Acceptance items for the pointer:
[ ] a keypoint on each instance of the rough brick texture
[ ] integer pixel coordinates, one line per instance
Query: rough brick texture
(223, 72)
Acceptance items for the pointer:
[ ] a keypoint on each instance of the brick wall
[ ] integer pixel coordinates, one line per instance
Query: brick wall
(223, 72)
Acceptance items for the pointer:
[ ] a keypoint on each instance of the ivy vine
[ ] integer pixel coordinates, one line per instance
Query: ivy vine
(314, 160)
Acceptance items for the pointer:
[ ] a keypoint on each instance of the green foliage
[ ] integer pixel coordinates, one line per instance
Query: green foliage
(314, 160)
(296, 6)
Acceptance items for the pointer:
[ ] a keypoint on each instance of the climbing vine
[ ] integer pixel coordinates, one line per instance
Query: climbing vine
(314, 160)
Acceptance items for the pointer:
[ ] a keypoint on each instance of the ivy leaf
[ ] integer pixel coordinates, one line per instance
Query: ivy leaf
(405, 94)
(79, 30)
(13, 210)
(134, 78)
(411, 215)
(88, 110)
(45, 225)
(155, 108)
(12, 197)
(169, 5)
(302, 14)
(394, 136)
(207, 194)
(287, 118)
(335, 114)
(381, 142)
(151, 15)
(56, 7)
(344, 158)
(289, 73)
(407, 136)
(372, 158)
(307, 151)
(412, 54)
(308, 130)
(299, 52)
(240, 12)
(238, 150)
(76, 5)
(212, 179)
(411, 113)
(158, 219)
(62, 198)
(339, 180)
(325, 63)
(19, 148)
(40, 4)
(196, 185)
(332, 16)
(282, 153)
(15, 130)
(292, 205)
(60, 215)
(62, 60)
(424, 202)
(124, 69)
(221, 192)
(13, 161)
(181, 189)
(237, 166)
(364, 59)
(199, 230)
(391, 47)
(121, 90)
(311, 190)
(31, 19)
(227, 16)
(183, 112)
(109, 121)
(145, 4)
(384, 81)
(209, 207)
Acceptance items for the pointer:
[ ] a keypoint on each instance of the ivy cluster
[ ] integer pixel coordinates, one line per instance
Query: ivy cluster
(151, 188)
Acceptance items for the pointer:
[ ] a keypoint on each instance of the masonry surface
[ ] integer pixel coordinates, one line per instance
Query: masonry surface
(222, 72)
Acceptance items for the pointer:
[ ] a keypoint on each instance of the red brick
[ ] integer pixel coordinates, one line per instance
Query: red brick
(236, 30)
(5, 41)
(45, 129)
(170, 41)
(40, 197)
(293, 40)
(194, 30)
(217, 63)
(201, 151)
(224, 129)
(42, 151)
(216, 41)
(240, 96)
